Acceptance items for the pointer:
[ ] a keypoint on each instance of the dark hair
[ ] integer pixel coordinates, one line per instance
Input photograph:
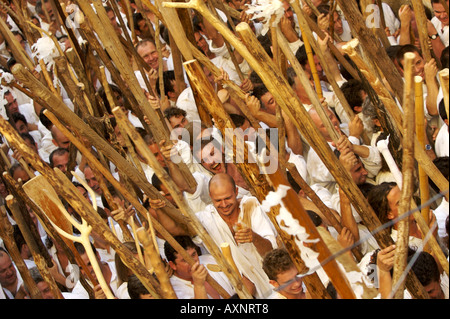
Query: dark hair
(405, 49)
(238, 120)
(184, 241)
(19, 117)
(352, 92)
(168, 77)
(59, 151)
(275, 262)
(425, 268)
(377, 198)
(442, 111)
(317, 220)
(442, 165)
(136, 288)
(174, 111)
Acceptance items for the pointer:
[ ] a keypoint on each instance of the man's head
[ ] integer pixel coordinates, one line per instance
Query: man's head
(176, 117)
(59, 158)
(354, 93)
(44, 7)
(205, 148)
(418, 62)
(41, 284)
(427, 272)
(147, 51)
(11, 103)
(223, 193)
(17, 172)
(180, 266)
(136, 289)
(8, 273)
(439, 11)
(268, 102)
(20, 122)
(338, 27)
(59, 139)
(321, 126)
(91, 180)
(282, 273)
(358, 172)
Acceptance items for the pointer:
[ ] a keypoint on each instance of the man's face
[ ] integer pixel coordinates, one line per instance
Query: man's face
(60, 140)
(338, 28)
(61, 161)
(318, 68)
(178, 122)
(359, 173)
(157, 153)
(210, 153)
(8, 274)
(434, 290)
(440, 13)
(92, 181)
(45, 290)
(20, 173)
(149, 54)
(21, 127)
(269, 103)
(224, 198)
(181, 267)
(11, 103)
(201, 42)
(318, 122)
(418, 65)
(292, 285)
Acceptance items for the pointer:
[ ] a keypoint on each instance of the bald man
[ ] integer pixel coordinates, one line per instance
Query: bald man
(243, 224)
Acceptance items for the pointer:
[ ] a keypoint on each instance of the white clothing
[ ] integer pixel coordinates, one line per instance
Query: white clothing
(186, 101)
(79, 292)
(441, 213)
(246, 257)
(184, 289)
(441, 30)
(442, 142)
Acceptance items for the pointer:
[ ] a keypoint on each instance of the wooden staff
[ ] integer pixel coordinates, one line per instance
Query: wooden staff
(117, 54)
(420, 131)
(419, 153)
(226, 251)
(156, 263)
(401, 254)
(33, 246)
(85, 230)
(6, 233)
(17, 50)
(179, 199)
(54, 104)
(70, 251)
(68, 191)
(372, 47)
(195, 74)
(133, 200)
(286, 100)
(421, 20)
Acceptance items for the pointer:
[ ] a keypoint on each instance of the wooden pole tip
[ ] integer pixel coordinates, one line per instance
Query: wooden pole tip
(418, 79)
(350, 45)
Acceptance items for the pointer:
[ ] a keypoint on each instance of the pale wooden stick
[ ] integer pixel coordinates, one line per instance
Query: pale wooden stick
(401, 252)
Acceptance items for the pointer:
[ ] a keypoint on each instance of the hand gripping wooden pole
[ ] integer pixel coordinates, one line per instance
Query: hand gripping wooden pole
(135, 202)
(180, 201)
(6, 233)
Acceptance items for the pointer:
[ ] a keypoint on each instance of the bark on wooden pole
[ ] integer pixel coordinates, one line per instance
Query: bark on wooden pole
(401, 253)
(33, 246)
(135, 202)
(6, 233)
(372, 47)
(181, 203)
(420, 131)
(421, 20)
(385, 97)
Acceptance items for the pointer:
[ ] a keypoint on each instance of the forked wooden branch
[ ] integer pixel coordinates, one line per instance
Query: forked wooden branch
(50, 196)
(176, 194)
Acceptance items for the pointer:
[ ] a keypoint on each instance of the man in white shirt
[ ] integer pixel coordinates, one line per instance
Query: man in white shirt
(440, 21)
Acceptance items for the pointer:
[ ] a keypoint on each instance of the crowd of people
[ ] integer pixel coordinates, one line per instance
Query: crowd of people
(221, 198)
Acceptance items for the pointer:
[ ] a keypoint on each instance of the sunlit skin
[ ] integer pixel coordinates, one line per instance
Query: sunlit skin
(440, 13)
(91, 180)
(61, 161)
(292, 287)
(359, 173)
(149, 54)
(418, 65)
(8, 274)
(211, 158)
(181, 267)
